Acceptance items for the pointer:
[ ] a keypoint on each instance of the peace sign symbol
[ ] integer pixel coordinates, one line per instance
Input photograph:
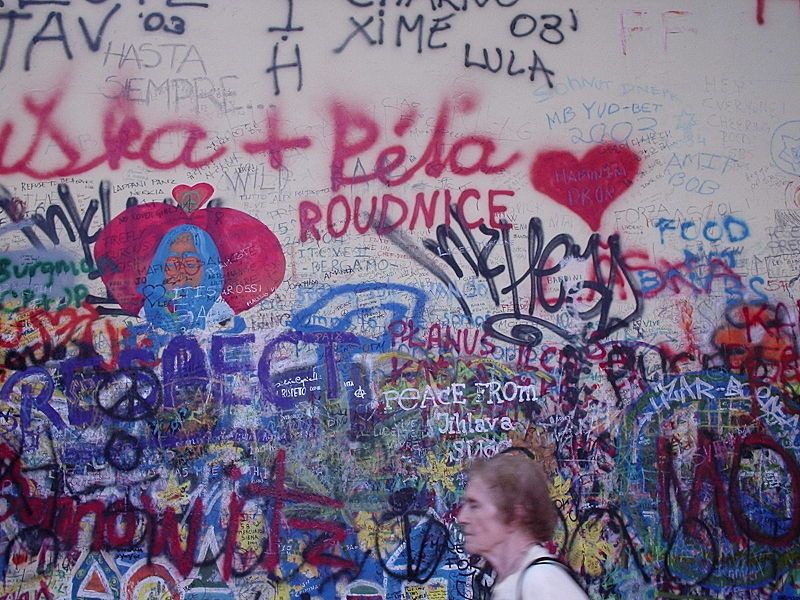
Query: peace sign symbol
(129, 394)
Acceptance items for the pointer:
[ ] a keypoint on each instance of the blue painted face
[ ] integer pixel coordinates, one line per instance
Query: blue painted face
(184, 280)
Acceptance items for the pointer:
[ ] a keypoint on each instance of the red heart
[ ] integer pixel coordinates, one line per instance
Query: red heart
(192, 198)
(588, 186)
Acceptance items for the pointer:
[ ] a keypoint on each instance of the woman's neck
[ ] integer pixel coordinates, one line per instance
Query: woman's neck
(508, 558)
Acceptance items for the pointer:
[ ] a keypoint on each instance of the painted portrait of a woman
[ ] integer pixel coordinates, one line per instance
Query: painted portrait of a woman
(184, 282)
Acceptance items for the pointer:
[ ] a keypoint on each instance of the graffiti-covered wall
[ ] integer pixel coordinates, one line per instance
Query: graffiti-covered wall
(273, 272)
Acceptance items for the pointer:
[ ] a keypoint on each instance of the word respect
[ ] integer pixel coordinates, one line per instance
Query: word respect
(183, 363)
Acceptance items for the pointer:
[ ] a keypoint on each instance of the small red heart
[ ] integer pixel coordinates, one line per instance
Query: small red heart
(19, 558)
(192, 198)
(587, 186)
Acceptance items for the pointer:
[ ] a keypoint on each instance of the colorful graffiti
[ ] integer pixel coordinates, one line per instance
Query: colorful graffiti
(271, 279)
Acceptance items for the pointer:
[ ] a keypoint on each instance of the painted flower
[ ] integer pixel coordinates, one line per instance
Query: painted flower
(559, 491)
(589, 549)
(174, 494)
(439, 472)
(369, 533)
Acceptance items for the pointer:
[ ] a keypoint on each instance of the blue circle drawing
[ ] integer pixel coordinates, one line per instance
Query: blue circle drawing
(785, 147)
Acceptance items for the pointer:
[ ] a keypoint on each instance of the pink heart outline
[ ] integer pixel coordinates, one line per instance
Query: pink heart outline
(190, 198)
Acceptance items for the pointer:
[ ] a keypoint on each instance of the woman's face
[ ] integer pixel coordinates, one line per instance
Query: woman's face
(184, 266)
(484, 527)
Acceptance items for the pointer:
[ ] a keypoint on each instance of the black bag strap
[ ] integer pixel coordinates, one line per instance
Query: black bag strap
(548, 560)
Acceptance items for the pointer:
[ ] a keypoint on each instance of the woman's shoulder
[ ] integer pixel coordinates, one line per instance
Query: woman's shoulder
(543, 576)
(507, 589)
